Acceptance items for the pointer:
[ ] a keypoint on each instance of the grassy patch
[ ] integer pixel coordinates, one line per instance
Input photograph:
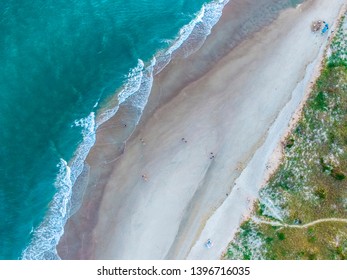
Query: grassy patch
(320, 102)
(311, 183)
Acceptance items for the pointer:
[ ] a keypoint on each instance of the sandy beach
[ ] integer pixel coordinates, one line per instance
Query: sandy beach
(190, 170)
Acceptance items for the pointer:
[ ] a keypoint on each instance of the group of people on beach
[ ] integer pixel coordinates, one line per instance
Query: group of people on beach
(320, 25)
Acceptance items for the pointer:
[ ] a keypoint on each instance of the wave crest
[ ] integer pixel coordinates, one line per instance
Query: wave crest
(135, 93)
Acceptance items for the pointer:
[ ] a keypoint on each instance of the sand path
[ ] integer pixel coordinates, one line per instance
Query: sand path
(326, 220)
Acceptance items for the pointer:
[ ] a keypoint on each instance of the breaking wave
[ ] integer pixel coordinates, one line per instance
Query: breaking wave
(135, 92)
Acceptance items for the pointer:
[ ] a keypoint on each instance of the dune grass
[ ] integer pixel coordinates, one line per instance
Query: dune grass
(311, 182)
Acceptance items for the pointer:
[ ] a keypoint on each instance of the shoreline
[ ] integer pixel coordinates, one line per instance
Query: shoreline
(295, 205)
(122, 159)
(271, 151)
(278, 153)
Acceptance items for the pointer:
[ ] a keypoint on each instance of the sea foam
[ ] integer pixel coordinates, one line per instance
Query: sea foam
(193, 35)
(135, 93)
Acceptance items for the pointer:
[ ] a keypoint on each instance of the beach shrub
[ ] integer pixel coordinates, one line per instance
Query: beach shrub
(321, 193)
(311, 255)
(341, 252)
(260, 208)
(290, 142)
(281, 236)
(311, 237)
(320, 102)
(338, 47)
(338, 174)
(326, 167)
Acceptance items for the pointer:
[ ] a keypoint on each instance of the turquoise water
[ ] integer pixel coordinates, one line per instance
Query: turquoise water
(59, 61)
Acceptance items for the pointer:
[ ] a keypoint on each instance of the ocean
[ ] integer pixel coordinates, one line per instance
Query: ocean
(65, 67)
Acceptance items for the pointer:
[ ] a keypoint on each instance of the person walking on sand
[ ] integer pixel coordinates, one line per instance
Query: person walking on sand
(144, 177)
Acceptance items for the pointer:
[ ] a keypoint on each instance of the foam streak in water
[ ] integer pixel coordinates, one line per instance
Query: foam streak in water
(47, 235)
(135, 93)
(193, 35)
(132, 85)
(43, 242)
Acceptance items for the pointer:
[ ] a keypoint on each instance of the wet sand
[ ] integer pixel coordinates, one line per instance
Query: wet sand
(157, 194)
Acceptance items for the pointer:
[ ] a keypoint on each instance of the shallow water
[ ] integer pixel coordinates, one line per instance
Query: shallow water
(59, 62)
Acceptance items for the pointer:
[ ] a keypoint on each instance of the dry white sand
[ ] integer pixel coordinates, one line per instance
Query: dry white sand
(166, 196)
(224, 223)
(186, 197)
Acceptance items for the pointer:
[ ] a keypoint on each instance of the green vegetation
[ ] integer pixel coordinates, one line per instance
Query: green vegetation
(339, 46)
(311, 182)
